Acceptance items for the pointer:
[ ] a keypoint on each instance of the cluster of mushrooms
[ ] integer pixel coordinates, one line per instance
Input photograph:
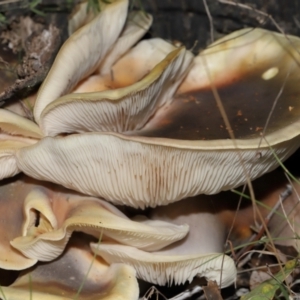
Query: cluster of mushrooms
(120, 121)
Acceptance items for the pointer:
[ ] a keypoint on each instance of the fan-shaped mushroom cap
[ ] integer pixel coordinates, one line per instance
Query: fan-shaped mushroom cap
(51, 217)
(196, 254)
(82, 53)
(62, 279)
(15, 125)
(137, 24)
(123, 109)
(142, 172)
(263, 66)
(12, 194)
(170, 160)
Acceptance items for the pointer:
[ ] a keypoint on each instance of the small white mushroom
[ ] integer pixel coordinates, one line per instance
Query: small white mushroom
(130, 68)
(137, 24)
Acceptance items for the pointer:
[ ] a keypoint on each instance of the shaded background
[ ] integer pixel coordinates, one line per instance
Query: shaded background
(188, 22)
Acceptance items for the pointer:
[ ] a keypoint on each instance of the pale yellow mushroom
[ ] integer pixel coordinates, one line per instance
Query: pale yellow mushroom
(198, 254)
(122, 109)
(75, 274)
(51, 215)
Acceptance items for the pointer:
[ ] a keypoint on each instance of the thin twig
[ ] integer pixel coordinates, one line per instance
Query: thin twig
(273, 108)
(211, 24)
(245, 6)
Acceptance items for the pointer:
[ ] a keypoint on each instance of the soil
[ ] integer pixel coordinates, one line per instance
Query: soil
(29, 44)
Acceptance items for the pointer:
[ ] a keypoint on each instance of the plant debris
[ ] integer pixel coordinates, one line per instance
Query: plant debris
(29, 45)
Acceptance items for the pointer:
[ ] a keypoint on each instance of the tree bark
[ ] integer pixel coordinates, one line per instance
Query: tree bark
(187, 20)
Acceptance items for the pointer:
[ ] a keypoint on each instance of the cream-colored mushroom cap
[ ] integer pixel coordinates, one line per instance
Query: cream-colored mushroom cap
(82, 53)
(121, 109)
(52, 215)
(170, 269)
(137, 24)
(207, 233)
(15, 125)
(185, 149)
(142, 172)
(62, 278)
(196, 254)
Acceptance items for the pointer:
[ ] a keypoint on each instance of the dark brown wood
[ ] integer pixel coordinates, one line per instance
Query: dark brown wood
(188, 22)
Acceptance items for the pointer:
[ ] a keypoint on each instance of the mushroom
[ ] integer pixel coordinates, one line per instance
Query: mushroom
(38, 221)
(177, 154)
(137, 24)
(75, 274)
(199, 253)
(121, 109)
(130, 68)
(12, 194)
(52, 215)
(21, 131)
(82, 53)
(15, 132)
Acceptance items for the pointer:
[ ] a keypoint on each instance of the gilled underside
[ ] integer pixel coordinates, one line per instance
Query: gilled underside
(152, 138)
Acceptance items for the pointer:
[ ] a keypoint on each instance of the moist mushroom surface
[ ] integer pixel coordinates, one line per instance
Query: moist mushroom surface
(118, 157)
(251, 70)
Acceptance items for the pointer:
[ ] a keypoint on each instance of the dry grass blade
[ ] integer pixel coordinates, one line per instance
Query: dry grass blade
(212, 291)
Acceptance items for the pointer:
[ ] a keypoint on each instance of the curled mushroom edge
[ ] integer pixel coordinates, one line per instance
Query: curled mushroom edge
(142, 153)
(126, 142)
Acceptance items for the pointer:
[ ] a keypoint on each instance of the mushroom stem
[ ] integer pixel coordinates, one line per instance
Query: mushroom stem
(207, 232)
